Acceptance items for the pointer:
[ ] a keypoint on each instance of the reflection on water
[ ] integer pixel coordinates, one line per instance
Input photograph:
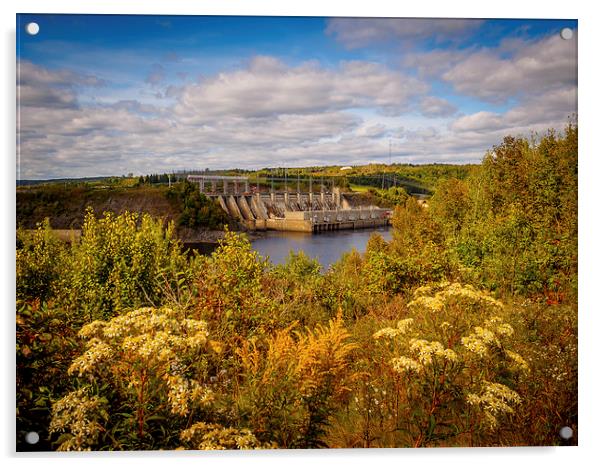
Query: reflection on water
(327, 247)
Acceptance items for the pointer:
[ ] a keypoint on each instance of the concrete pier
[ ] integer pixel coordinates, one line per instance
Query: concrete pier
(329, 220)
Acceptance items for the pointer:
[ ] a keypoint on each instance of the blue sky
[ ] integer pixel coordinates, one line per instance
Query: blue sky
(109, 94)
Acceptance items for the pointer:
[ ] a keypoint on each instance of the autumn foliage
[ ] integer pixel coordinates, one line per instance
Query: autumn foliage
(461, 331)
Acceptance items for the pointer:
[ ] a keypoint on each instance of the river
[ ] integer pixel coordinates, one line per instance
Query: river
(327, 247)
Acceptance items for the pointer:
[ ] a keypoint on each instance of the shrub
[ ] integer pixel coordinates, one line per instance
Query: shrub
(344, 287)
(147, 366)
(458, 373)
(292, 382)
(230, 288)
(297, 288)
(46, 343)
(120, 263)
(41, 259)
(546, 336)
(519, 229)
(417, 253)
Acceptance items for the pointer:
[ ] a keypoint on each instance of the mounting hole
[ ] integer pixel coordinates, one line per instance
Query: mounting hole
(32, 438)
(32, 28)
(566, 33)
(566, 433)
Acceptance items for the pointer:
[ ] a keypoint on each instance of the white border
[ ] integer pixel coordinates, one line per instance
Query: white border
(589, 209)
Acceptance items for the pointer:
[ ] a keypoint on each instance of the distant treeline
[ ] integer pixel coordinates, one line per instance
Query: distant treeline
(425, 175)
(390, 181)
(85, 180)
(156, 178)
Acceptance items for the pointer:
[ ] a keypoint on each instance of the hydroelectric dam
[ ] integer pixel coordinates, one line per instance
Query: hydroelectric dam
(309, 212)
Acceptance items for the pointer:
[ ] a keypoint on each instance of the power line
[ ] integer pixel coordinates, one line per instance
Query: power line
(389, 151)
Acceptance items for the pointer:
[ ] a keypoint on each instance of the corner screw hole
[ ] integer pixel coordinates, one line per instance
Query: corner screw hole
(32, 28)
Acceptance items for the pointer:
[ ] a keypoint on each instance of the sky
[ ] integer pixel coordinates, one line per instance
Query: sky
(102, 95)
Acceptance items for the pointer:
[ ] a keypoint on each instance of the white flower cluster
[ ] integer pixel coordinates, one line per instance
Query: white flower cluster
(388, 332)
(484, 338)
(78, 413)
(469, 293)
(517, 361)
(147, 334)
(204, 436)
(425, 350)
(403, 364)
(423, 291)
(97, 352)
(495, 399)
(432, 303)
(450, 293)
(136, 350)
(184, 392)
(500, 328)
(479, 341)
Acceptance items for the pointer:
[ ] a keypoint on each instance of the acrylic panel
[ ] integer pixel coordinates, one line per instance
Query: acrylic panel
(246, 232)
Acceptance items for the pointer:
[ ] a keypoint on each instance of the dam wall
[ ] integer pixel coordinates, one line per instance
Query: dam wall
(309, 212)
(304, 212)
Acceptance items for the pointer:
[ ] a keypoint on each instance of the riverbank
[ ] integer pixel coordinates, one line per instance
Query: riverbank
(188, 238)
(65, 205)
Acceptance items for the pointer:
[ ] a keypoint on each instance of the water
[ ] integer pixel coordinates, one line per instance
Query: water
(327, 247)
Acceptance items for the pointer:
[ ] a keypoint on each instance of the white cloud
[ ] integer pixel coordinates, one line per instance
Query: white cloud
(435, 63)
(372, 130)
(478, 122)
(548, 110)
(424, 134)
(31, 74)
(269, 113)
(269, 87)
(549, 63)
(358, 32)
(41, 87)
(33, 96)
(431, 106)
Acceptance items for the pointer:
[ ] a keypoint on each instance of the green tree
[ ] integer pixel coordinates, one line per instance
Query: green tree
(520, 224)
(41, 259)
(121, 262)
(196, 210)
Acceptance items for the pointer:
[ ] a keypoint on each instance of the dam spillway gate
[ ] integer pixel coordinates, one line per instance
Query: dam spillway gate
(309, 212)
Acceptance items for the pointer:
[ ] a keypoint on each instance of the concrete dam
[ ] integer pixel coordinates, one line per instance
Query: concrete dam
(287, 211)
